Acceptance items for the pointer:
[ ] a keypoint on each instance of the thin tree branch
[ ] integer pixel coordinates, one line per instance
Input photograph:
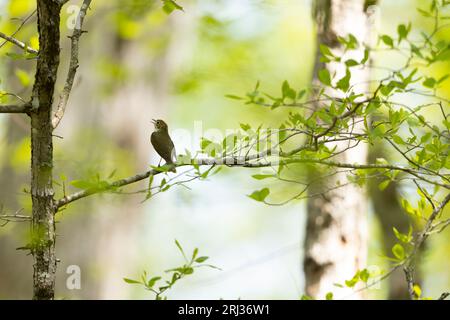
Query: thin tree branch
(429, 226)
(16, 217)
(73, 65)
(116, 184)
(236, 162)
(23, 108)
(24, 21)
(409, 264)
(18, 43)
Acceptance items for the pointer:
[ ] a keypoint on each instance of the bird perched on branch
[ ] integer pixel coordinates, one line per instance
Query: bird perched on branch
(162, 143)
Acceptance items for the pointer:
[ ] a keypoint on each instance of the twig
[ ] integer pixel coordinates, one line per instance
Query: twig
(119, 183)
(17, 217)
(18, 43)
(73, 65)
(408, 265)
(20, 27)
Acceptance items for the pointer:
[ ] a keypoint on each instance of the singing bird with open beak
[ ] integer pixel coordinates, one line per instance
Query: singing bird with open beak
(162, 143)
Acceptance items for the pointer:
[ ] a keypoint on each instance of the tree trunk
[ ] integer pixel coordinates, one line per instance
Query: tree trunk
(336, 230)
(43, 223)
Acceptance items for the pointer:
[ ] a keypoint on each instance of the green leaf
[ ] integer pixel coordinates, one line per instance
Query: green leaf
(195, 253)
(262, 176)
(366, 56)
(443, 55)
(180, 248)
(131, 281)
(245, 127)
(403, 31)
(231, 96)
(287, 91)
(398, 251)
(344, 83)
(409, 209)
(364, 275)
(188, 270)
(152, 281)
(386, 89)
(170, 5)
(325, 50)
(324, 77)
(301, 93)
(403, 237)
(429, 82)
(204, 143)
(260, 195)
(82, 184)
(201, 259)
(329, 296)
(351, 283)
(397, 139)
(387, 40)
(351, 63)
(416, 51)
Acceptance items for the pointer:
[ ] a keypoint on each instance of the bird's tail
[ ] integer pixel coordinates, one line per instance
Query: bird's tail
(173, 169)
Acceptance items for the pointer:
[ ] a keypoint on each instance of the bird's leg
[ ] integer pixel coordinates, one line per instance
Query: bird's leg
(159, 163)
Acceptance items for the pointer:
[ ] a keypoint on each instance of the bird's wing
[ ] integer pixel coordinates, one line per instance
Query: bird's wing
(163, 147)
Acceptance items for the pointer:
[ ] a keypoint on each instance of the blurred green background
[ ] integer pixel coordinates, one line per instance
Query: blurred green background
(138, 63)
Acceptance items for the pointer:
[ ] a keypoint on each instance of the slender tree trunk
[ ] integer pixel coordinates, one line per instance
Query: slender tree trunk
(43, 223)
(336, 231)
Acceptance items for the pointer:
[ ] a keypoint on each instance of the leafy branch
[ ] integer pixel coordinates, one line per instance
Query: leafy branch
(174, 274)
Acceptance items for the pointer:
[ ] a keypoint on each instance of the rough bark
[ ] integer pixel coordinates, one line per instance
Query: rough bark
(43, 223)
(336, 231)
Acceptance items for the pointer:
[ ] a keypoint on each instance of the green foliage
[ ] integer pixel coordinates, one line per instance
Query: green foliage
(260, 195)
(421, 144)
(95, 183)
(173, 275)
(170, 5)
(398, 251)
(324, 77)
(306, 135)
(405, 238)
(363, 276)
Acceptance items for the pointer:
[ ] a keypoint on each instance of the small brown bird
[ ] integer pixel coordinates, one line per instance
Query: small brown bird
(162, 142)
